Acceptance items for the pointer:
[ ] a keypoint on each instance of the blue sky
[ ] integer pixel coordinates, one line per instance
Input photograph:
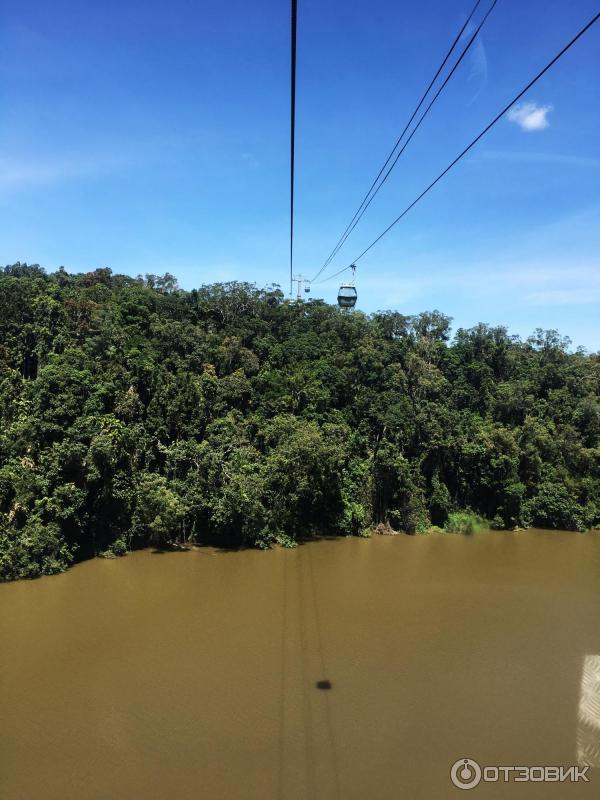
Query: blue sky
(153, 136)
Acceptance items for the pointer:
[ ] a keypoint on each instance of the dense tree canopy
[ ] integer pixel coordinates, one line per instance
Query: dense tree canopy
(133, 413)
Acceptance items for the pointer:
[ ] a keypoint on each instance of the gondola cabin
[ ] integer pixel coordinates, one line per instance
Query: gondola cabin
(347, 295)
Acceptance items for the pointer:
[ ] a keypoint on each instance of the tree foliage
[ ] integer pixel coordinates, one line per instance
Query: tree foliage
(135, 413)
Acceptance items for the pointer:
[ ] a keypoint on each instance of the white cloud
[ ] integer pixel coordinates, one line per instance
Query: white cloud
(530, 116)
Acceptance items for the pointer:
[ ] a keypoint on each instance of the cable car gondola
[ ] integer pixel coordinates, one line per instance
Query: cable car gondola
(347, 293)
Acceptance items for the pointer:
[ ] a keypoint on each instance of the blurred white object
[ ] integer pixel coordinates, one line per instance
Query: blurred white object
(588, 717)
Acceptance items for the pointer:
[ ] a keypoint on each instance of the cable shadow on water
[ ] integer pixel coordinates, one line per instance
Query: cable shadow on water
(281, 758)
(307, 717)
(324, 683)
(305, 595)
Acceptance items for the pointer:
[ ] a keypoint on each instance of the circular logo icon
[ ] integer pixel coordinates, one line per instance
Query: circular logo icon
(465, 773)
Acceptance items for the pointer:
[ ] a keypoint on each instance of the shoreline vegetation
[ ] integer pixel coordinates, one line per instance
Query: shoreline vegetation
(134, 414)
(463, 521)
(378, 530)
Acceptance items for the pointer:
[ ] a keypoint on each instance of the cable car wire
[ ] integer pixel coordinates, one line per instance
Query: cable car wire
(453, 163)
(292, 133)
(334, 275)
(418, 125)
(347, 231)
(406, 127)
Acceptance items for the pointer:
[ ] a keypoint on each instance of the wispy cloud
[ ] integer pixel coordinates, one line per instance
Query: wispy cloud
(250, 160)
(22, 170)
(526, 286)
(478, 65)
(548, 284)
(18, 173)
(583, 295)
(479, 68)
(541, 158)
(530, 116)
(399, 290)
(548, 268)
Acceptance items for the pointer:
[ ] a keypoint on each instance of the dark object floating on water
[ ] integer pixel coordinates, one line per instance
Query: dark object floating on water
(323, 684)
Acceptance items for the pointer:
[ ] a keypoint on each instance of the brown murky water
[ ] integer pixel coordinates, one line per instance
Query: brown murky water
(194, 675)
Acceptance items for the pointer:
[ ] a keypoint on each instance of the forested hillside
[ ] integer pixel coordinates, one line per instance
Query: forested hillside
(133, 412)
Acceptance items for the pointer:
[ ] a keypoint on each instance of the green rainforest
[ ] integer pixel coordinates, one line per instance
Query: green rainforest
(133, 413)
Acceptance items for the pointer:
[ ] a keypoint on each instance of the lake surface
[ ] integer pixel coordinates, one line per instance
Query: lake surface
(195, 675)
